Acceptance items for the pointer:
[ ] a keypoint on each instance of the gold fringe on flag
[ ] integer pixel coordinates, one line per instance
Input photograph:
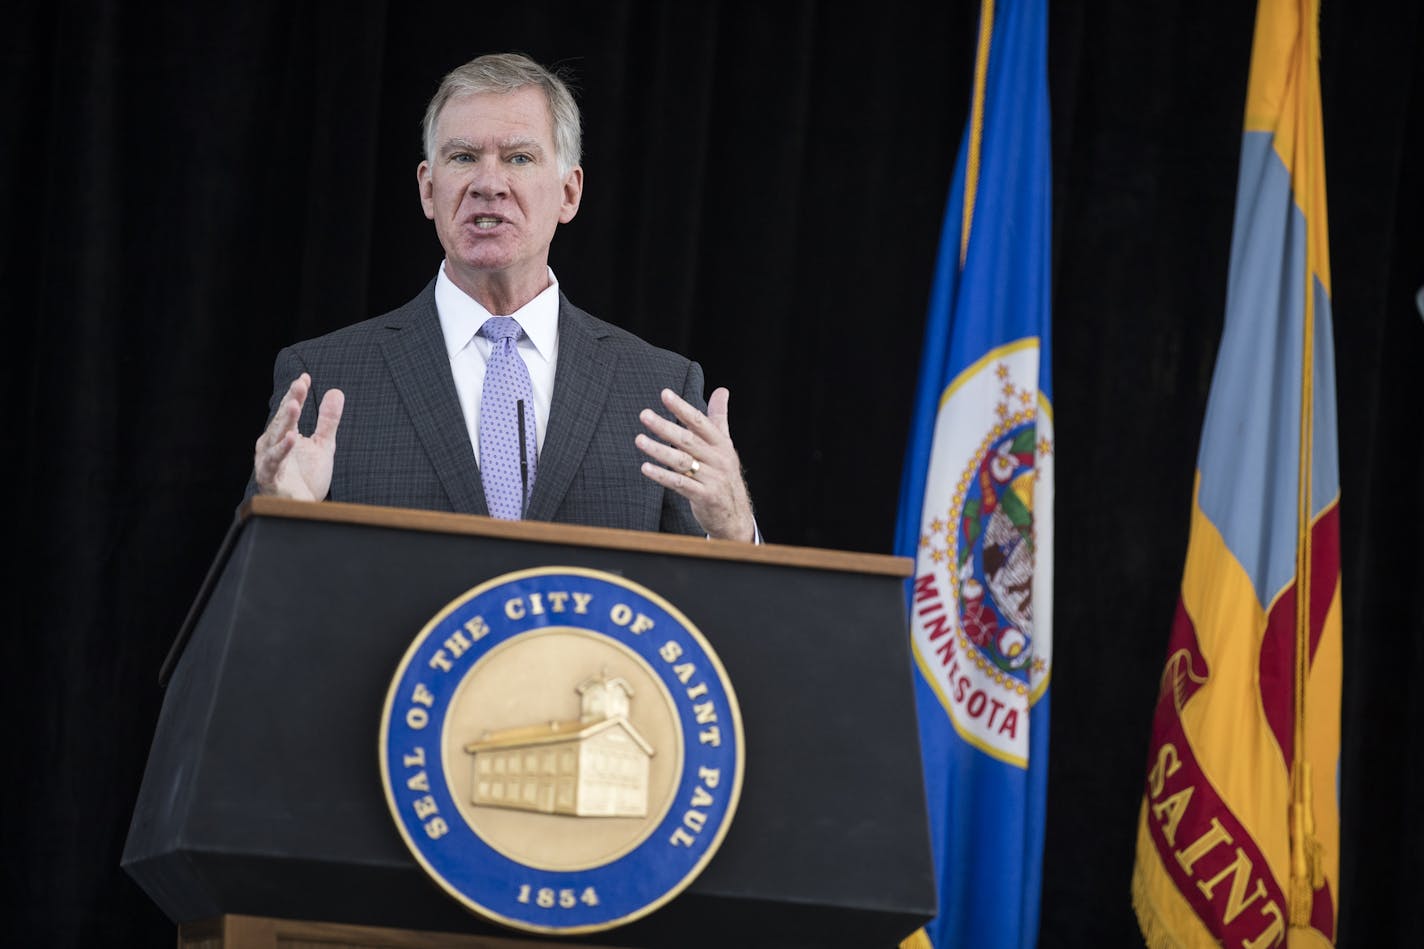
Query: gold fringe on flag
(918, 939)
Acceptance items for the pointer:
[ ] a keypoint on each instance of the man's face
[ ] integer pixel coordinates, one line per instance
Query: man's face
(494, 190)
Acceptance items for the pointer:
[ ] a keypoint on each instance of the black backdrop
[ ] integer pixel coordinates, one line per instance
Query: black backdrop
(184, 190)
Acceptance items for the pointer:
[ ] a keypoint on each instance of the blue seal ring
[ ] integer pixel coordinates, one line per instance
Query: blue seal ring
(421, 795)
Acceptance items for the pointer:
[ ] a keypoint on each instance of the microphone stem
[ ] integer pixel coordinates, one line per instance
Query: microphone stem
(523, 463)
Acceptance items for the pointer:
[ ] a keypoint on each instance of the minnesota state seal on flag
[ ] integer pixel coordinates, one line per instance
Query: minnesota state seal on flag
(973, 623)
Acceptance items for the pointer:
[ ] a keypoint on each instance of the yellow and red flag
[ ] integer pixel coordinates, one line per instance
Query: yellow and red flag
(1238, 832)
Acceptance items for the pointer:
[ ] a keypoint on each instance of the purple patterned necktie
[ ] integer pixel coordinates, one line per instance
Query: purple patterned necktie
(506, 444)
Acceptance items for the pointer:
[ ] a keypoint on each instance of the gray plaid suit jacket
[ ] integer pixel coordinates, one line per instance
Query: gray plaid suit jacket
(403, 440)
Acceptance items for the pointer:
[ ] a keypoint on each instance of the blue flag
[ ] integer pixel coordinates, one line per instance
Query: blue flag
(976, 503)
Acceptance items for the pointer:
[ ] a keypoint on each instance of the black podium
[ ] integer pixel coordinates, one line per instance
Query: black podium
(262, 796)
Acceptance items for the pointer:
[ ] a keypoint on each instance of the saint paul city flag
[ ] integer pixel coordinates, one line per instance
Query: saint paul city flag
(1238, 831)
(976, 503)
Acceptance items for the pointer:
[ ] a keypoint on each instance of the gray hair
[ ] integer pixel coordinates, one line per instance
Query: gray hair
(506, 72)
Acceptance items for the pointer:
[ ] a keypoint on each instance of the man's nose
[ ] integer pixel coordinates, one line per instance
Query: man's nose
(488, 179)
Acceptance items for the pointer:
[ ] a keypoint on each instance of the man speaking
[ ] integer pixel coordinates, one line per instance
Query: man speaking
(490, 393)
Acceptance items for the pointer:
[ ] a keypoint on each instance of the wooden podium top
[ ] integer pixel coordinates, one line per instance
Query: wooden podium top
(548, 532)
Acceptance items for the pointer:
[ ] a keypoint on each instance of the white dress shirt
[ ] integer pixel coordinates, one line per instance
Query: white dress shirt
(461, 317)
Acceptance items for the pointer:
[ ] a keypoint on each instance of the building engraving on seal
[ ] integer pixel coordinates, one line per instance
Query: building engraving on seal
(592, 766)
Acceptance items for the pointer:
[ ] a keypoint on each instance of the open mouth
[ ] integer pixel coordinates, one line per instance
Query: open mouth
(485, 222)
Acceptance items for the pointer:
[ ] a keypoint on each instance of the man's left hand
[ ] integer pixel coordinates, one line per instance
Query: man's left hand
(698, 461)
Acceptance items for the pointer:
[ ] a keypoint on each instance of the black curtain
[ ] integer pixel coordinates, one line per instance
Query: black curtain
(185, 188)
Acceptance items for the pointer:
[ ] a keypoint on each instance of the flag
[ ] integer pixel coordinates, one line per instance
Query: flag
(976, 503)
(1238, 830)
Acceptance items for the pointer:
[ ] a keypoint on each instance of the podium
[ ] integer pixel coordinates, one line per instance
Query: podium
(262, 807)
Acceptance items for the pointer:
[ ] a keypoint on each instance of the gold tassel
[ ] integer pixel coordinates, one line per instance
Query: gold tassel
(1307, 854)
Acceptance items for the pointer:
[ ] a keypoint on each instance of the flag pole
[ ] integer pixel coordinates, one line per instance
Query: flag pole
(1307, 871)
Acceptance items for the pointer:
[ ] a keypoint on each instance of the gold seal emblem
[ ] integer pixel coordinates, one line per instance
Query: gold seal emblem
(605, 749)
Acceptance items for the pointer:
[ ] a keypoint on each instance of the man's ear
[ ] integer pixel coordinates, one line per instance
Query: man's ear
(426, 184)
(573, 194)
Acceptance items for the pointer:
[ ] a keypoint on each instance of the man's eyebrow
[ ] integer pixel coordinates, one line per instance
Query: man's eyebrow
(521, 144)
(509, 144)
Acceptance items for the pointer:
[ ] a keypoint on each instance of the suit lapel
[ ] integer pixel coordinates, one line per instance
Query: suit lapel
(420, 367)
(581, 385)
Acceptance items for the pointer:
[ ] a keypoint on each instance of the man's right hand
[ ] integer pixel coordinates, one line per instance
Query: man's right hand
(288, 464)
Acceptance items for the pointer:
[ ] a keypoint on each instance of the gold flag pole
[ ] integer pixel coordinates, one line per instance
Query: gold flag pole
(1307, 869)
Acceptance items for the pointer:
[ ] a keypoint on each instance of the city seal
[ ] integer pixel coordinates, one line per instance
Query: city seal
(561, 750)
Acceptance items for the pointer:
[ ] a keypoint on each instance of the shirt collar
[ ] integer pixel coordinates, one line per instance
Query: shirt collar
(461, 315)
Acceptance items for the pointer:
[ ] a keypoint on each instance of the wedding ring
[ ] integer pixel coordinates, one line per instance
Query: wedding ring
(693, 468)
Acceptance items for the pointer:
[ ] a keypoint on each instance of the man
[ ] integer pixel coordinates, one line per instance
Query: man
(413, 392)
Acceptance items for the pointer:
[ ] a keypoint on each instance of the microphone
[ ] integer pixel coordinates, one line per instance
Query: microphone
(523, 463)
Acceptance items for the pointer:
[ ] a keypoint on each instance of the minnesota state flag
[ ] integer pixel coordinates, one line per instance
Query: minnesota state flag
(976, 503)
(1238, 831)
